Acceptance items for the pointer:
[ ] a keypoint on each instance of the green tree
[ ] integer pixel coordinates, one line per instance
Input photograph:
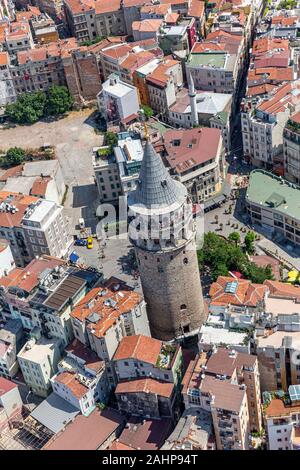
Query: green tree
(14, 156)
(234, 237)
(28, 108)
(111, 139)
(59, 101)
(249, 242)
(148, 112)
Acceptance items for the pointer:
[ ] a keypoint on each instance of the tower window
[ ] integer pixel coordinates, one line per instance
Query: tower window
(158, 260)
(182, 307)
(146, 257)
(160, 269)
(171, 257)
(185, 261)
(186, 329)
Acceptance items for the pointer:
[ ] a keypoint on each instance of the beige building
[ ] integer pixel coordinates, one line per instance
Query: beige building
(291, 149)
(38, 361)
(226, 384)
(277, 354)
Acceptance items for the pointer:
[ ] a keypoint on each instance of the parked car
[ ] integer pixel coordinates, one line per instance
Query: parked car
(80, 242)
(90, 243)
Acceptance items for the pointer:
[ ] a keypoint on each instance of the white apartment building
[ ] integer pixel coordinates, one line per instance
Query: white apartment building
(117, 100)
(33, 227)
(46, 230)
(263, 122)
(291, 149)
(81, 378)
(38, 361)
(7, 262)
(282, 422)
(142, 356)
(7, 91)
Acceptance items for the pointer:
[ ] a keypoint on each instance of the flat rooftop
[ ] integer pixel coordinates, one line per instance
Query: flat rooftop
(281, 306)
(118, 90)
(41, 210)
(211, 335)
(39, 351)
(270, 191)
(275, 339)
(217, 60)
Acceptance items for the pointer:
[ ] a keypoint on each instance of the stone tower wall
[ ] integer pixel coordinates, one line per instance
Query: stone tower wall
(172, 290)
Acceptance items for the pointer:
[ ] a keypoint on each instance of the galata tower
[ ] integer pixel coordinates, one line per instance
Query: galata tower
(163, 233)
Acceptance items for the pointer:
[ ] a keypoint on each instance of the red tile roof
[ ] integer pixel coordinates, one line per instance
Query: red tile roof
(6, 386)
(147, 385)
(196, 8)
(148, 434)
(71, 381)
(196, 146)
(146, 26)
(96, 301)
(246, 293)
(142, 348)
(87, 432)
(282, 289)
(91, 360)
(80, 6)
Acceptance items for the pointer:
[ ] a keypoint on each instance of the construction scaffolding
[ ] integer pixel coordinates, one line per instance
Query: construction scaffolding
(26, 435)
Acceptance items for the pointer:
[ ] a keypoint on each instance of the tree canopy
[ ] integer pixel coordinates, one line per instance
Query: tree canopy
(222, 256)
(59, 101)
(14, 156)
(30, 107)
(148, 112)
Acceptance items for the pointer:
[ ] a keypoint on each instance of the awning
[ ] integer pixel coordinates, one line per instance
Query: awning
(74, 257)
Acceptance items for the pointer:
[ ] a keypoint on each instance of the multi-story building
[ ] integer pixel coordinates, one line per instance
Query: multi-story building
(7, 91)
(263, 121)
(178, 39)
(142, 356)
(226, 384)
(38, 361)
(282, 421)
(129, 155)
(196, 158)
(236, 303)
(118, 101)
(86, 369)
(105, 316)
(89, 19)
(291, 149)
(40, 68)
(271, 206)
(165, 246)
(18, 37)
(43, 294)
(33, 227)
(146, 29)
(147, 397)
(11, 405)
(44, 29)
(163, 84)
(276, 357)
(11, 340)
(52, 7)
(216, 64)
(7, 262)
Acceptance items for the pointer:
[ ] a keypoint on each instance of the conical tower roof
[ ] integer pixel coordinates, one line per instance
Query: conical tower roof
(155, 186)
